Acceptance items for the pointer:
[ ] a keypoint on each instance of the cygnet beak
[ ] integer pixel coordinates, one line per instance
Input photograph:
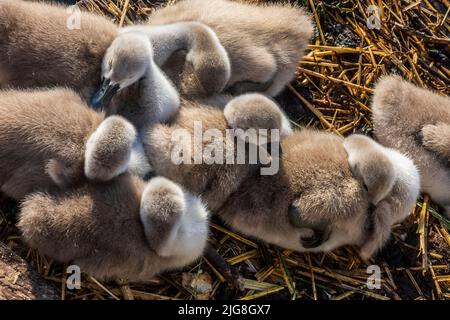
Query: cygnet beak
(104, 94)
(321, 232)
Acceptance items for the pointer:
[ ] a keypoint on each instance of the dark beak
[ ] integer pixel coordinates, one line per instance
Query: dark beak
(319, 236)
(104, 95)
(321, 232)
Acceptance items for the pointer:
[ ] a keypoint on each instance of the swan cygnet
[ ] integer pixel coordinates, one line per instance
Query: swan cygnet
(42, 137)
(312, 203)
(416, 121)
(196, 45)
(392, 182)
(51, 137)
(128, 63)
(40, 49)
(123, 228)
(264, 42)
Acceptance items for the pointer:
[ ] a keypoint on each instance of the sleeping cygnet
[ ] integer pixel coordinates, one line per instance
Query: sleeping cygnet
(416, 122)
(129, 62)
(392, 183)
(123, 228)
(191, 43)
(42, 137)
(313, 202)
(264, 42)
(41, 46)
(50, 137)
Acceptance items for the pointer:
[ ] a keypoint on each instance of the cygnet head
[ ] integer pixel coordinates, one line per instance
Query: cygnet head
(125, 62)
(371, 166)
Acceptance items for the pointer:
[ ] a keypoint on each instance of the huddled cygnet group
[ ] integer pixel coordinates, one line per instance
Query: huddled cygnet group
(87, 119)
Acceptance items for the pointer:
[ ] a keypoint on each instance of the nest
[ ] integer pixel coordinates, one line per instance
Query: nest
(332, 91)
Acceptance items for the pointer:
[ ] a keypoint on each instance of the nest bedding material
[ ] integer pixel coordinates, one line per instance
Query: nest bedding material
(332, 91)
